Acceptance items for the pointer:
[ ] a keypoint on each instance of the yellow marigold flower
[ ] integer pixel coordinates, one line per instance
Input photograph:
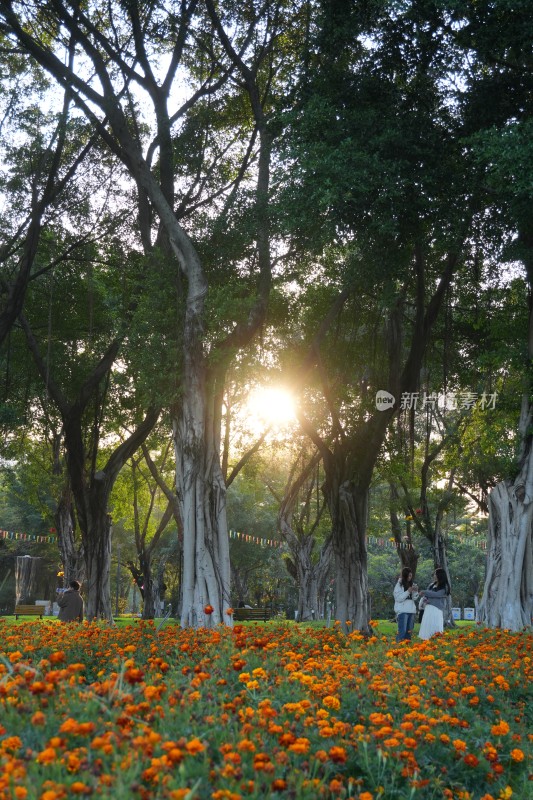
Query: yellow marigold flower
(331, 702)
(260, 673)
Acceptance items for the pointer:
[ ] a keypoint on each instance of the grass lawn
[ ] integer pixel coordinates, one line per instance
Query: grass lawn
(383, 627)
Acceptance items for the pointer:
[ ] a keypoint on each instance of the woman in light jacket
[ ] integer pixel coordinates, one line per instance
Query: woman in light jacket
(435, 594)
(405, 594)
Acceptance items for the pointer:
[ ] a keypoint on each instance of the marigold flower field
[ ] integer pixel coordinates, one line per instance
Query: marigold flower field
(262, 711)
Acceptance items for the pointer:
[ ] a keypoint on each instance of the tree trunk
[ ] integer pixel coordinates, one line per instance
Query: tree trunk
(202, 494)
(440, 559)
(310, 577)
(97, 545)
(507, 600)
(151, 602)
(323, 573)
(348, 505)
(306, 580)
(72, 556)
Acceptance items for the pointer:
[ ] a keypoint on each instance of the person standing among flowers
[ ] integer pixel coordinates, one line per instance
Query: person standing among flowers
(435, 594)
(405, 594)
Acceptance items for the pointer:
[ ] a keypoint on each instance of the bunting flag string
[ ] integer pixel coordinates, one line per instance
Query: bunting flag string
(27, 537)
(247, 537)
(406, 545)
(380, 541)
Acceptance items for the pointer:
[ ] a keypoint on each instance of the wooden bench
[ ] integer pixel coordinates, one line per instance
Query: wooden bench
(29, 611)
(251, 614)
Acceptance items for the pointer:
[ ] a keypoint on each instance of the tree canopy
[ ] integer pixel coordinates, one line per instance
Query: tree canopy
(330, 193)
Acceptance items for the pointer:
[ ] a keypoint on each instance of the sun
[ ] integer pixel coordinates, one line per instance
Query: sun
(271, 407)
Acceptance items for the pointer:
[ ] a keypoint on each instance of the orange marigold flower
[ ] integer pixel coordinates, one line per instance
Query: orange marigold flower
(229, 612)
(16, 656)
(366, 796)
(195, 746)
(38, 687)
(20, 793)
(134, 675)
(57, 657)
(208, 609)
(69, 726)
(500, 729)
(11, 744)
(337, 755)
(79, 788)
(331, 702)
(471, 760)
(301, 745)
(47, 756)
(517, 754)
(279, 785)
(247, 745)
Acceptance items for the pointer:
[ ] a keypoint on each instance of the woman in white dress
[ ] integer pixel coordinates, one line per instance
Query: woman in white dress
(435, 594)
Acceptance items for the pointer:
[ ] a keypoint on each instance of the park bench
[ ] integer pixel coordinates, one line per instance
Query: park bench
(251, 614)
(29, 611)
